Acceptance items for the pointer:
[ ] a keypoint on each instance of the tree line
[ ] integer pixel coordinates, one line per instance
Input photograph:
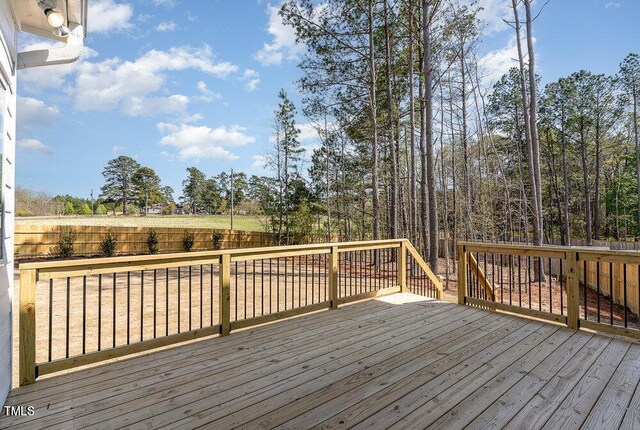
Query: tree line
(416, 143)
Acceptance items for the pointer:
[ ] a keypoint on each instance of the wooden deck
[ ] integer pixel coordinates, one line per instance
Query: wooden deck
(397, 362)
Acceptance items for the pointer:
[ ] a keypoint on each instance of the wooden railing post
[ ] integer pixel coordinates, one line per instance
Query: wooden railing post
(573, 290)
(27, 329)
(462, 274)
(333, 278)
(225, 294)
(402, 267)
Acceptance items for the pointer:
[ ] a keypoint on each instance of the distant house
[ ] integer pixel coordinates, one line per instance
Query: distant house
(179, 210)
(155, 209)
(60, 20)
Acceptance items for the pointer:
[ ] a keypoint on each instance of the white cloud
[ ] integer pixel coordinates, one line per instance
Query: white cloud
(613, 5)
(193, 141)
(207, 95)
(34, 145)
(498, 62)
(108, 16)
(132, 86)
(166, 26)
(251, 78)
(166, 3)
(32, 113)
(149, 106)
(117, 149)
(259, 161)
(283, 44)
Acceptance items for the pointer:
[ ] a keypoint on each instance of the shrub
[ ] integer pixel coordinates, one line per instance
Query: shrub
(108, 244)
(217, 241)
(68, 209)
(84, 209)
(25, 212)
(64, 248)
(152, 241)
(187, 241)
(169, 209)
(101, 209)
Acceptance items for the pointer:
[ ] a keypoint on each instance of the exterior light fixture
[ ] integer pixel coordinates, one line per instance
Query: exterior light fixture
(54, 18)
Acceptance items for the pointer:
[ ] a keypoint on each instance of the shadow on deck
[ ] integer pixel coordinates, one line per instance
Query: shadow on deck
(401, 361)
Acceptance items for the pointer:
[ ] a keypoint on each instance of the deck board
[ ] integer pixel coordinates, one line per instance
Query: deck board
(400, 361)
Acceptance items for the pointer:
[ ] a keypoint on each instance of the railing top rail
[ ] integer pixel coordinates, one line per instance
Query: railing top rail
(139, 260)
(589, 252)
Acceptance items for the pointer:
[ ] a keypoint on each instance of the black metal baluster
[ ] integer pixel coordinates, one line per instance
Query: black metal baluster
(262, 287)
(84, 314)
(50, 318)
(211, 293)
(68, 307)
(201, 295)
(313, 280)
(598, 289)
(278, 284)
(529, 278)
(611, 292)
(245, 290)
(306, 280)
(501, 280)
(561, 279)
(166, 302)
(586, 277)
(540, 284)
(624, 283)
(128, 307)
(253, 265)
(155, 302)
(190, 294)
(519, 281)
(99, 312)
(141, 305)
(114, 310)
(551, 289)
(236, 289)
(286, 259)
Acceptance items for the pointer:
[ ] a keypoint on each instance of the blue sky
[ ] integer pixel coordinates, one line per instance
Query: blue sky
(176, 83)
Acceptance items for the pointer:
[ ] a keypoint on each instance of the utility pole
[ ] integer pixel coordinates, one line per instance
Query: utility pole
(92, 211)
(231, 199)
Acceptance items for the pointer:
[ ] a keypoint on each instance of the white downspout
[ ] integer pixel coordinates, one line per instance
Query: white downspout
(69, 53)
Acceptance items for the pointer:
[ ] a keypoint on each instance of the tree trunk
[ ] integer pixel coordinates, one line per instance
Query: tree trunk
(527, 123)
(413, 203)
(393, 180)
(374, 128)
(428, 96)
(535, 141)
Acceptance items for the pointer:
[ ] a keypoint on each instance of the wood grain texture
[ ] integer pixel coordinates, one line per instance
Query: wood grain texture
(399, 361)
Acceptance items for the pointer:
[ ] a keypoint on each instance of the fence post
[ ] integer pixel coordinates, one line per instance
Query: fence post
(27, 333)
(333, 278)
(402, 267)
(462, 274)
(225, 294)
(573, 290)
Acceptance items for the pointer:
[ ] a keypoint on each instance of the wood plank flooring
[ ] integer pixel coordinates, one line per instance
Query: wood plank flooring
(402, 361)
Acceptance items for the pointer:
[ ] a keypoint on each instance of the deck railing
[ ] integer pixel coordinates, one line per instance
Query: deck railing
(580, 287)
(78, 312)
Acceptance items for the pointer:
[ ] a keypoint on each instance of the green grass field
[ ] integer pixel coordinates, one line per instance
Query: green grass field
(240, 222)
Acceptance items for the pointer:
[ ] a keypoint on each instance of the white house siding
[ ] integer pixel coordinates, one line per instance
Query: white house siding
(8, 132)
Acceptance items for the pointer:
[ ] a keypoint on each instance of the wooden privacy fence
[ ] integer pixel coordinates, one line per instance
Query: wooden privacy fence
(79, 312)
(40, 241)
(579, 287)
